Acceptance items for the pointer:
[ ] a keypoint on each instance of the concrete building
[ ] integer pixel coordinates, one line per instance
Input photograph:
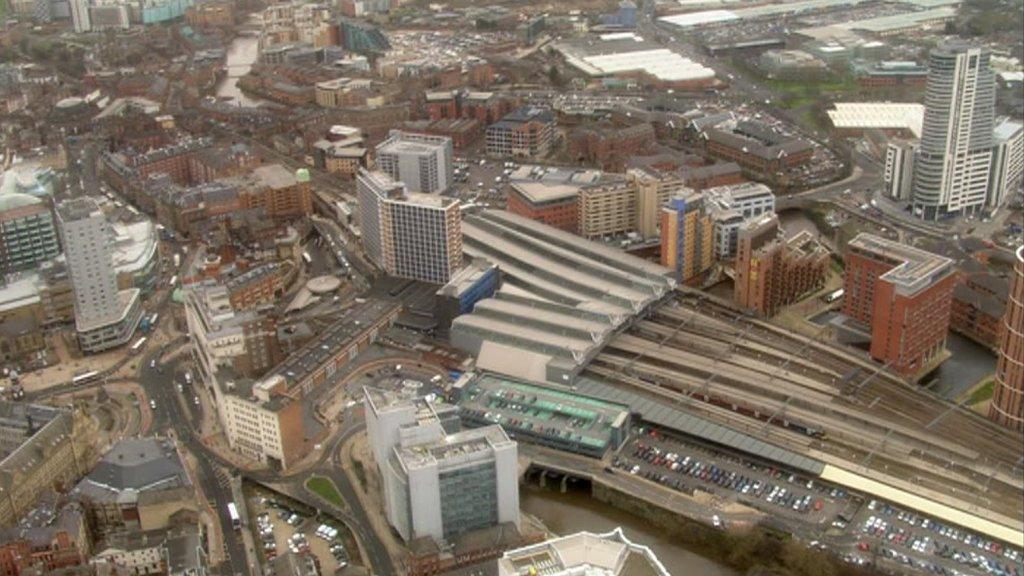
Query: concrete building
(422, 162)
(1007, 406)
(730, 207)
(105, 317)
(771, 271)
(610, 554)
(27, 233)
(270, 418)
(464, 480)
(545, 415)
(140, 484)
(479, 279)
(903, 295)
(951, 171)
(40, 446)
(898, 176)
(80, 21)
(527, 132)
(409, 234)
(687, 237)
(1007, 162)
(553, 204)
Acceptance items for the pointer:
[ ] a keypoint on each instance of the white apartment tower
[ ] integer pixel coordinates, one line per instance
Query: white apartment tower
(104, 316)
(951, 171)
(80, 19)
(409, 234)
(420, 161)
(1007, 161)
(899, 168)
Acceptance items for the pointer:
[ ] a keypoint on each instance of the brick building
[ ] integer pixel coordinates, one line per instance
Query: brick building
(1007, 406)
(609, 145)
(979, 302)
(903, 295)
(771, 271)
(757, 148)
(527, 132)
(556, 205)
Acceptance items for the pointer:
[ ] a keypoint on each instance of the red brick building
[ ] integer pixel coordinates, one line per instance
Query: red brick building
(608, 145)
(463, 131)
(756, 147)
(553, 204)
(441, 104)
(979, 302)
(1007, 406)
(904, 295)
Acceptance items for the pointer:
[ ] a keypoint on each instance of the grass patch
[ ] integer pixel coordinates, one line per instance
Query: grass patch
(360, 472)
(324, 488)
(981, 393)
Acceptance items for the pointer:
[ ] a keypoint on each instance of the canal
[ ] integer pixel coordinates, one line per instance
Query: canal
(576, 511)
(242, 53)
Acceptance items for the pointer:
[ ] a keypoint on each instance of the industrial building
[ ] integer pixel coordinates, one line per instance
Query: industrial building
(477, 280)
(894, 118)
(105, 317)
(772, 271)
(464, 480)
(561, 298)
(610, 554)
(627, 54)
(543, 414)
(409, 234)
(422, 162)
(903, 295)
(1007, 406)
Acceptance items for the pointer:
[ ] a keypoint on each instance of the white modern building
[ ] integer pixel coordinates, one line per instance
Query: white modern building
(899, 168)
(583, 553)
(439, 482)
(951, 170)
(1007, 161)
(80, 15)
(733, 205)
(420, 161)
(105, 317)
(409, 234)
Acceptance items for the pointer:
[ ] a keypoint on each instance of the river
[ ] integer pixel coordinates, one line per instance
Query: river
(575, 511)
(241, 55)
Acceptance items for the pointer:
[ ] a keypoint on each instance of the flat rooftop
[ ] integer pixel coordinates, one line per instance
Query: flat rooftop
(543, 192)
(913, 269)
(542, 410)
(454, 450)
(275, 176)
(907, 116)
(610, 554)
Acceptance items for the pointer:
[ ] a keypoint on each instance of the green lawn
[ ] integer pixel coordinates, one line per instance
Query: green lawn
(324, 488)
(981, 393)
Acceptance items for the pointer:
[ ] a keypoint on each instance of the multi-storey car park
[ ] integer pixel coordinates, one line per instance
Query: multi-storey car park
(866, 429)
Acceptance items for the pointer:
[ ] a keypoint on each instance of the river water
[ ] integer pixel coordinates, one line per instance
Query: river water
(575, 511)
(242, 53)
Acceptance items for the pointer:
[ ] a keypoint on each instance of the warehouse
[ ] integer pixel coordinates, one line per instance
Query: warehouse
(626, 54)
(894, 118)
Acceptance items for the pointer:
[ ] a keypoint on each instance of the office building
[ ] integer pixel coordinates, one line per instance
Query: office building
(527, 132)
(898, 177)
(610, 554)
(105, 317)
(687, 237)
(27, 233)
(731, 206)
(1007, 162)
(422, 162)
(951, 170)
(409, 234)
(1007, 406)
(772, 271)
(556, 205)
(479, 279)
(80, 15)
(903, 295)
(362, 37)
(464, 480)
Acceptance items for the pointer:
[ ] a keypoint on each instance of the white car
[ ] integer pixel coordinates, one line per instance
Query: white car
(152, 404)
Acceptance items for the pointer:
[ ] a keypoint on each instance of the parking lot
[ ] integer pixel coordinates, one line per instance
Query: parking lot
(688, 468)
(861, 531)
(279, 528)
(899, 536)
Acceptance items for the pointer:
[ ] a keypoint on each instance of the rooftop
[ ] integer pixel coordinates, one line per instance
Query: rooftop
(275, 176)
(907, 116)
(913, 269)
(627, 52)
(137, 465)
(583, 553)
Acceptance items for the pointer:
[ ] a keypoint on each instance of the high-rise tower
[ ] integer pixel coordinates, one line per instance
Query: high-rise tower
(951, 171)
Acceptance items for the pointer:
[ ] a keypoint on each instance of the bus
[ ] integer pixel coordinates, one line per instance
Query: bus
(85, 378)
(174, 281)
(138, 344)
(307, 258)
(153, 319)
(833, 296)
(236, 522)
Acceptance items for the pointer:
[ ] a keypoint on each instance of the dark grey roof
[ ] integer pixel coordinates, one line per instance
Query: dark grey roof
(138, 464)
(691, 425)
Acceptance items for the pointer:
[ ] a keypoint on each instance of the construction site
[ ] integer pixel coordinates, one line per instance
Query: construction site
(866, 428)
